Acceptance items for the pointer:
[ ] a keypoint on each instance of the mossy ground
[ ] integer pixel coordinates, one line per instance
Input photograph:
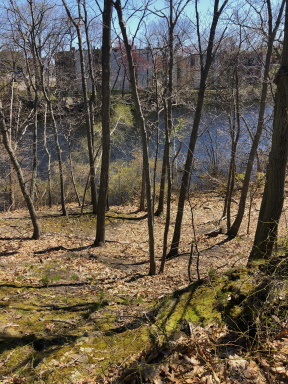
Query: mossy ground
(49, 332)
(65, 331)
(60, 330)
(69, 311)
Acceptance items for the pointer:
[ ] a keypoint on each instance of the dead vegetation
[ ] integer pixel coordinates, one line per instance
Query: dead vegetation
(72, 313)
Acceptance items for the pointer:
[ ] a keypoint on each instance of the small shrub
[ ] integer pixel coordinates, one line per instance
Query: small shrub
(125, 180)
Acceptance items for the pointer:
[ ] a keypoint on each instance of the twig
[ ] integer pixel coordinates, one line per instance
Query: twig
(190, 262)
(58, 321)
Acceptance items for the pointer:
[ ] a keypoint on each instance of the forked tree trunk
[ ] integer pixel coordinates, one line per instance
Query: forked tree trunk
(172, 19)
(89, 128)
(56, 137)
(196, 123)
(233, 231)
(273, 197)
(18, 170)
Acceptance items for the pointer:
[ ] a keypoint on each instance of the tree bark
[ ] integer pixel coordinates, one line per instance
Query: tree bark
(167, 102)
(48, 158)
(142, 126)
(104, 177)
(19, 173)
(56, 136)
(233, 231)
(235, 134)
(273, 197)
(160, 207)
(89, 129)
(196, 123)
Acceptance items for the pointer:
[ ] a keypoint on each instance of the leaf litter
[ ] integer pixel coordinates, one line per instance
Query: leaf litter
(61, 301)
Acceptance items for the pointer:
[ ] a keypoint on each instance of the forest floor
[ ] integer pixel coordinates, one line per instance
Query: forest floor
(73, 313)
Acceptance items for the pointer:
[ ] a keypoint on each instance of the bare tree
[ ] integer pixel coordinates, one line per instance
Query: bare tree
(169, 52)
(235, 129)
(35, 31)
(77, 23)
(104, 177)
(53, 44)
(271, 34)
(22, 182)
(206, 58)
(142, 126)
(273, 197)
(175, 11)
(25, 34)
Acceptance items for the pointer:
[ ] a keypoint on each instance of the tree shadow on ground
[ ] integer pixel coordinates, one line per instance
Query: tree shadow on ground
(224, 241)
(135, 277)
(127, 218)
(15, 238)
(88, 308)
(158, 341)
(148, 318)
(39, 344)
(18, 286)
(4, 254)
(42, 348)
(42, 345)
(61, 248)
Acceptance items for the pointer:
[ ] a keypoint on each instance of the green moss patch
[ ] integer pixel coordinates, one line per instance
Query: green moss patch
(59, 332)
(196, 305)
(64, 332)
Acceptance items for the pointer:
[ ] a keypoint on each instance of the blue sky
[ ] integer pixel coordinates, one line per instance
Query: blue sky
(204, 6)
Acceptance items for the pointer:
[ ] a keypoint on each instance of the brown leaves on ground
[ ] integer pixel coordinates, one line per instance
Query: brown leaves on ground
(64, 260)
(198, 359)
(121, 265)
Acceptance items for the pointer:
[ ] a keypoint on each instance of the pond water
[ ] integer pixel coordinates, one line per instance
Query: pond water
(212, 151)
(213, 147)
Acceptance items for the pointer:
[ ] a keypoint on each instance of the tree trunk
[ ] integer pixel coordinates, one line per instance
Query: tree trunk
(18, 170)
(72, 172)
(273, 197)
(235, 134)
(141, 122)
(195, 128)
(168, 129)
(11, 187)
(56, 138)
(89, 129)
(167, 102)
(104, 177)
(160, 207)
(233, 231)
(48, 158)
(59, 155)
(143, 191)
(35, 151)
